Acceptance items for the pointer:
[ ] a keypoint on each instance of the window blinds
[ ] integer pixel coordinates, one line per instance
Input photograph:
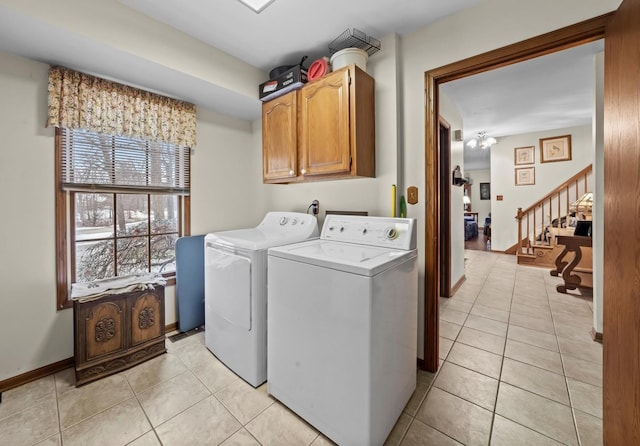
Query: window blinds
(98, 162)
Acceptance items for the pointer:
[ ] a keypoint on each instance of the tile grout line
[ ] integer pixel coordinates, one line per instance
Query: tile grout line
(213, 394)
(504, 349)
(566, 381)
(533, 393)
(153, 429)
(55, 389)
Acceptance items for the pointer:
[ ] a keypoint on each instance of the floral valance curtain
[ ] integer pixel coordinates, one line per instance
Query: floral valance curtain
(80, 101)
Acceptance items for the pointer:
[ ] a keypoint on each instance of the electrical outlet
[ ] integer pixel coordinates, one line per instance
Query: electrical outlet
(315, 207)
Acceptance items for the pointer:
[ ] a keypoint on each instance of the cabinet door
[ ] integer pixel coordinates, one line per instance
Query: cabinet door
(147, 316)
(324, 125)
(102, 328)
(280, 138)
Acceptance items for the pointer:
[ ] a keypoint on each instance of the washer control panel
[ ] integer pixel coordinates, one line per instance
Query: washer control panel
(399, 233)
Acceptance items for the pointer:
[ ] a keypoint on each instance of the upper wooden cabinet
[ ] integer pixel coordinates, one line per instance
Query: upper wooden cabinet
(280, 138)
(325, 130)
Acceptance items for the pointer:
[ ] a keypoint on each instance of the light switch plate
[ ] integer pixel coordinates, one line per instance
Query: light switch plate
(412, 195)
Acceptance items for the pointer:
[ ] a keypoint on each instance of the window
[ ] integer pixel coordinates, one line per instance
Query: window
(121, 204)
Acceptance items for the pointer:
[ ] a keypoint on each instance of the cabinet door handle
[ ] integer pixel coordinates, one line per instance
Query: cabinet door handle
(303, 171)
(291, 173)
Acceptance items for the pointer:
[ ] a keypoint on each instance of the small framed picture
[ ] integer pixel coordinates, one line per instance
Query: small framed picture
(485, 191)
(525, 176)
(555, 149)
(524, 155)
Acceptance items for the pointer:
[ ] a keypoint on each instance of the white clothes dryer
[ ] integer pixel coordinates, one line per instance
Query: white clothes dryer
(236, 289)
(343, 326)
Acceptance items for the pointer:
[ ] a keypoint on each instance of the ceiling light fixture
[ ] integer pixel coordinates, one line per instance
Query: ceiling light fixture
(256, 6)
(483, 141)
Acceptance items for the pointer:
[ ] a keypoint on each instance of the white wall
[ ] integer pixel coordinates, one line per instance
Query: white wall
(482, 207)
(226, 174)
(32, 332)
(451, 115)
(548, 176)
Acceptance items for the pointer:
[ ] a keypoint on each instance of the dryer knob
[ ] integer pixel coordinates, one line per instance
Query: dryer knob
(283, 221)
(391, 233)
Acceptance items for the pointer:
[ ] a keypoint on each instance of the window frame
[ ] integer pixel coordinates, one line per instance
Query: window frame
(65, 238)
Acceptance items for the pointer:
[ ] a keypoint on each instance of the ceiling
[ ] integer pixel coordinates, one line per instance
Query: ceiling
(550, 92)
(289, 29)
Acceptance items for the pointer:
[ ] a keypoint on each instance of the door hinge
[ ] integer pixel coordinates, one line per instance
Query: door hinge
(349, 80)
(350, 162)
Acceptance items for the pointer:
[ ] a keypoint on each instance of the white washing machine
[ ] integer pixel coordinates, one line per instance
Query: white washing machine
(236, 289)
(343, 326)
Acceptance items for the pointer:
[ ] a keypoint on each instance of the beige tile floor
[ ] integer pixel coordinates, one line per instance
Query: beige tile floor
(518, 367)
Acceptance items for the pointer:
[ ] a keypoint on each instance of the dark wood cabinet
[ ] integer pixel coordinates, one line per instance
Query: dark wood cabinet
(115, 332)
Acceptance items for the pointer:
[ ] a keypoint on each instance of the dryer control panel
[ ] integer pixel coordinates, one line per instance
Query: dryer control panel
(398, 233)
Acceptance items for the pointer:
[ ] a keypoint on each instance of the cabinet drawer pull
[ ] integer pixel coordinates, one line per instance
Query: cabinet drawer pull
(291, 173)
(303, 171)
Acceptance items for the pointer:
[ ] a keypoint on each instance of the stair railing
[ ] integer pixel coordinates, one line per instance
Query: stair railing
(550, 210)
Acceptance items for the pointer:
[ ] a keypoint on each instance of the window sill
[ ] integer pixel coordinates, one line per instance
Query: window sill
(171, 281)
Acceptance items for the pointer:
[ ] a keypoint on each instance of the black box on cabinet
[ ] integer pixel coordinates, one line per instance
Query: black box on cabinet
(290, 80)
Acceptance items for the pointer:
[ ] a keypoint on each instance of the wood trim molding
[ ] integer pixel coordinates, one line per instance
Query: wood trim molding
(444, 143)
(457, 285)
(24, 378)
(171, 327)
(432, 225)
(564, 38)
(595, 335)
(62, 278)
(578, 34)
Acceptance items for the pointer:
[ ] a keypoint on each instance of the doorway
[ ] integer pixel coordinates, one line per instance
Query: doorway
(578, 34)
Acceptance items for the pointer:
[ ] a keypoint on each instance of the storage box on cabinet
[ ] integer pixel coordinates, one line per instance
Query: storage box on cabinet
(325, 130)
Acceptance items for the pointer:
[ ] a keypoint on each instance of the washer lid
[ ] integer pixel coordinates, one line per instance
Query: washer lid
(277, 228)
(255, 238)
(348, 257)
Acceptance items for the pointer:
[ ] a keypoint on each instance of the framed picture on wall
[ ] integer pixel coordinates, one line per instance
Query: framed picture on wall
(485, 191)
(524, 155)
(525, 176)
(555, 149)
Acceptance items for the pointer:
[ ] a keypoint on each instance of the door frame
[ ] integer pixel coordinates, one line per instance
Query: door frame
(444, 147)
(564, 38)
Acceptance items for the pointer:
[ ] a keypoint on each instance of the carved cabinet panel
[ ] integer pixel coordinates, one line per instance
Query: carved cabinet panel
(104, 325)
(115, 332)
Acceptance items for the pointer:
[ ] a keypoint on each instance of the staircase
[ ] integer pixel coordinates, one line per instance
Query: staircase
(539, 224)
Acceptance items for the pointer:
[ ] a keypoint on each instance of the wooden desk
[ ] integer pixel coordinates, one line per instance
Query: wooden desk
(574, 244)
